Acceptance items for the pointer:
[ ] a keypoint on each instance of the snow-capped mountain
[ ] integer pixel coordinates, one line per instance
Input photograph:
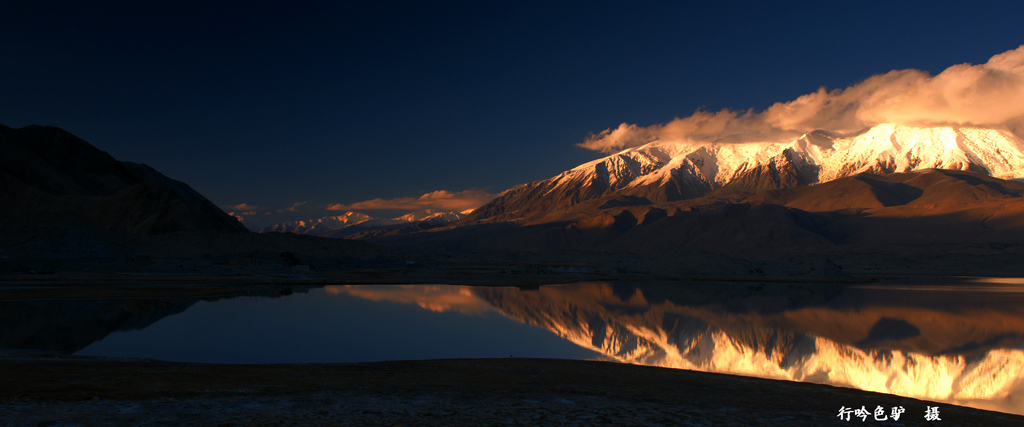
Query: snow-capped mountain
(665, 171)
(353, 222)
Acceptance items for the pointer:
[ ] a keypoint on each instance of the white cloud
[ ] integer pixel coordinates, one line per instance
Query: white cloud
(989, 94)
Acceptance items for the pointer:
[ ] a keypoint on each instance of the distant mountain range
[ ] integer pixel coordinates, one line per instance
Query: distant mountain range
(885, 185)
(353, 223)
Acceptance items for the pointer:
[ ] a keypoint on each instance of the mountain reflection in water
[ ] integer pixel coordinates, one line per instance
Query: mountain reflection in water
(960, 345)
(69, 325)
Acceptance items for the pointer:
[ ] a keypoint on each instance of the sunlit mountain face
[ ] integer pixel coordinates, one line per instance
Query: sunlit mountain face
(671, 171)
(956, 344)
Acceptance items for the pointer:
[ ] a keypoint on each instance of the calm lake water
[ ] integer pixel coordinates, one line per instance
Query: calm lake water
(961, 344)
(347, 324)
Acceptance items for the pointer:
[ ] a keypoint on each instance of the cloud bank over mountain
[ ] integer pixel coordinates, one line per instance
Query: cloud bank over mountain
(987, 95)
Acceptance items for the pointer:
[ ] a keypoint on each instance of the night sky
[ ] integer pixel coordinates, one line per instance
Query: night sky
(340, 103)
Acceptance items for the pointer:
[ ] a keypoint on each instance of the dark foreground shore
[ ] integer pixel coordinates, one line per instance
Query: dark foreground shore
(47, 390)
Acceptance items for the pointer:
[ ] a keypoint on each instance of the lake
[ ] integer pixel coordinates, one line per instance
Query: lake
(958, 343)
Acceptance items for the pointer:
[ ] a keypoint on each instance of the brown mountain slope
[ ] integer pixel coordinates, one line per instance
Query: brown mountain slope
(909, 209)
(932, 187)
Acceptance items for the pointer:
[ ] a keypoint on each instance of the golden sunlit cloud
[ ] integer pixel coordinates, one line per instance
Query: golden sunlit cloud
(440, 200)
(242, 210)
(245, 208)
(989, 95)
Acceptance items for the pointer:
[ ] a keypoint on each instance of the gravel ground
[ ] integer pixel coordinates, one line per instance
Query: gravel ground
(91, 392)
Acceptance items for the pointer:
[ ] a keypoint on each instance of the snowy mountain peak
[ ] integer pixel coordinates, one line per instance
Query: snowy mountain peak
(892, 148)
(670, 170)
(896, 147)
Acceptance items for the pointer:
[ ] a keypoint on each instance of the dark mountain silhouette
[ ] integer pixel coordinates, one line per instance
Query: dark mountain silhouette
(51, 180)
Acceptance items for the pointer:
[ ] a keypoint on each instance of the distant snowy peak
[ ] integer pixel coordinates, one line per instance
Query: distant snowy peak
(666, 171)
(431, 216)
(315, 226)
(443, 217)
(353, 222)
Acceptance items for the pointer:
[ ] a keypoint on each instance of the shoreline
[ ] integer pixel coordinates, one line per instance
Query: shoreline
(102, 285)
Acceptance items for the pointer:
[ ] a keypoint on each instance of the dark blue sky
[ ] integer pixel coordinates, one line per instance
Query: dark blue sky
(341, 102)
